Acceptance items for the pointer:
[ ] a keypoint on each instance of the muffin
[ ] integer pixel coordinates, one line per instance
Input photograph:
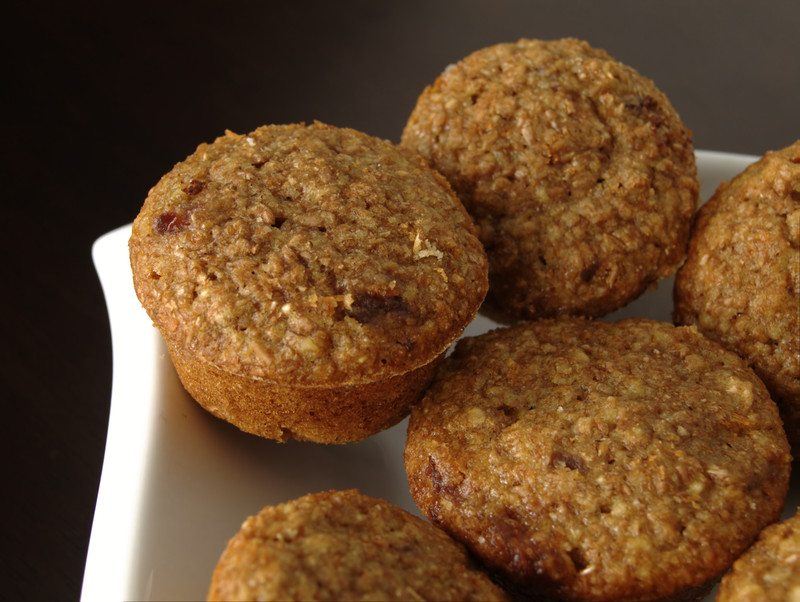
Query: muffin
(770, 570)
(577, 171)
(306, 279)
(740, 284)
(583, 460)
(342, 545)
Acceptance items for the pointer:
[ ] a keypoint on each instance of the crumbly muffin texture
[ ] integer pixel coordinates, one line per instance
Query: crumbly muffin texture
(345, 546)
(307, 255)
(576, 169)
(740, 284)
(770, 570)
(595, 461)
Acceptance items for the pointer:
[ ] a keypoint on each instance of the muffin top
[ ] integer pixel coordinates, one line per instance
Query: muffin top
(345, 546)
(598, 461)
(741, 281)
(770, 570)
(308, 255)
(576, 169)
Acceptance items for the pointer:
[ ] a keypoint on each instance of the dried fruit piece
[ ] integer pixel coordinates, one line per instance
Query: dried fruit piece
(170, 222)
(194, 187)
(367, 307)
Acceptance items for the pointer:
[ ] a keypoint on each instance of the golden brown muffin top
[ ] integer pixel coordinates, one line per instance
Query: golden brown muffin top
(577, 171)
(740, 284)
(342, 545)
(307, 255)
(770, 570)
(597, 461)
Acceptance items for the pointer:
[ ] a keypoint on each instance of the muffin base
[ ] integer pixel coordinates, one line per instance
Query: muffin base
(337, 414)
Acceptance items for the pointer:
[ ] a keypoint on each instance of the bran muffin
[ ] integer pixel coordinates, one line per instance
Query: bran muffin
(306, 279)
(343, 545)
(770, 570)
(577, 171)
(740, 284)
(583, 460)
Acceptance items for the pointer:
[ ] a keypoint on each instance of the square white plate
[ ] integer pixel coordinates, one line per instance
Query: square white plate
(177, 483)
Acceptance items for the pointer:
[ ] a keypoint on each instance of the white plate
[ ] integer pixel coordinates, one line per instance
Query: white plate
(177, 483)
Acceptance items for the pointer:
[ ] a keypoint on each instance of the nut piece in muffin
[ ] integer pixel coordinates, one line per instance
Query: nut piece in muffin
(583, 460)
(770, 570)
(577, 171)
(306, 279)
(740, 284)
(343, 545)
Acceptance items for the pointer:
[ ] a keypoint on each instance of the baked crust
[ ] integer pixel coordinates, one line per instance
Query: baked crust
(770, 570)
(740, 284)
(343, 545)
(336, 414)
(307, 255)
(577, 171)
(591, 461)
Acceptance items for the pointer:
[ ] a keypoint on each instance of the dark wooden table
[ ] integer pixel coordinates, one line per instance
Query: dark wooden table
(99, 102)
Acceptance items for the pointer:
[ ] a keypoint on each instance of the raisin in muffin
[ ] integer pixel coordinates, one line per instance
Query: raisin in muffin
(306, 279)
(740, 284)
(577, 171)
(583, 460)
(342, 545)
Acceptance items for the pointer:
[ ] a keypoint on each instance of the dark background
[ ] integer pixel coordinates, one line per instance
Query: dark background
(98, 102)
